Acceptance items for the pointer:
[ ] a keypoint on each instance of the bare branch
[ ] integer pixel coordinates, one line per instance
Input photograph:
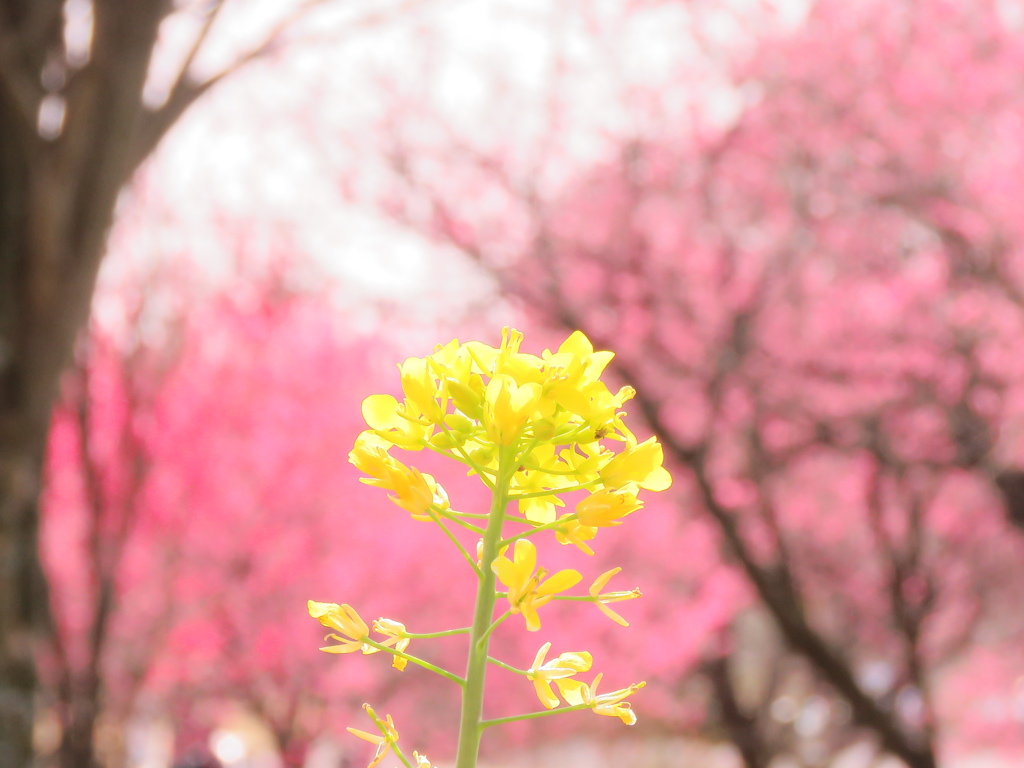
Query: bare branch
(211, 16)
(184, 93)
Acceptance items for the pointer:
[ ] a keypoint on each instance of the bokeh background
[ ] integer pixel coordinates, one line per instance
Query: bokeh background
(797, 223)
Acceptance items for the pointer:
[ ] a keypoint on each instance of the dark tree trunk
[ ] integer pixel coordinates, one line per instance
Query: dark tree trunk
(742, 728)
(58, 187)
(57, 197)
(80, 712)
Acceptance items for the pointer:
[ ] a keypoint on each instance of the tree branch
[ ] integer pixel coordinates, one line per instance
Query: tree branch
(155, 124)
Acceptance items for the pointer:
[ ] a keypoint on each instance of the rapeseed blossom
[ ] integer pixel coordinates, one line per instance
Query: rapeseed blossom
(397, 638)
(385, 740)
(532, 429)
(555, 671)
(349, 630)
(607, 704)
(603, 598)
(528, 590)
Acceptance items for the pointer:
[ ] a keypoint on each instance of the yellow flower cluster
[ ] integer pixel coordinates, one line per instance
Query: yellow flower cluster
(533, 429)
(467, 401)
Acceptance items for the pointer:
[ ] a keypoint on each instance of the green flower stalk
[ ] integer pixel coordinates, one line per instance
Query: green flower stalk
(533, 429)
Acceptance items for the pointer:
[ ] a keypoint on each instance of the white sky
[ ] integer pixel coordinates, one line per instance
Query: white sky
(260, 164)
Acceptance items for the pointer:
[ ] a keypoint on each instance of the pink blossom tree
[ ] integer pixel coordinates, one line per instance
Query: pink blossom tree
(194, 506)
(817, 299)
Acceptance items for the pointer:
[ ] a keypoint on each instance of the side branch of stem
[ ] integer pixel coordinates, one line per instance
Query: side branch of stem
(415, 660)
(533, 715)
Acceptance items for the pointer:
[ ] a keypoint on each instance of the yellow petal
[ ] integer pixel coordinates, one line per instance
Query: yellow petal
(612, 614)
(538, 660)
(530, 616)
(525, 556)
(505, 570)
(572, 690)
(373, 738)
(601, 581)
(577, 344)
(316, 610)
(545, 694)
(380, 411)
(560, 582)
(578, 661)
(658, 480)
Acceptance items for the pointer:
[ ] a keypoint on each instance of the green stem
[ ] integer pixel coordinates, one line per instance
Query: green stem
(533, 715)
(466, 515)
(415, 660)
(546, 527)
(494, 625)
(482, 472)
(604, 597)
(503, 665)
(546, 471)
(472, 563)
(469, 526)
(476, 666)
(520, 519)
(442, 633)
(553, 492)
(398, 753)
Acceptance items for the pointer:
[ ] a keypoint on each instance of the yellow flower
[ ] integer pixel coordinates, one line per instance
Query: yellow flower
(605, 508)
(543, 674)
(540, 509)
(572, 370)
(610, 704)
(397, 638)
(421, 760)
(574, 383)
(576, 354)
(412, 490)
(370, 455)
(584, 459)
(506, 359)
(508, 407)
(385, 741)
(639, 465)
(571, 532)
(416, 491)
(602, 598)
(349, 630)
(394, 423)
(543, 475)
(420, 388)
(528, 590)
